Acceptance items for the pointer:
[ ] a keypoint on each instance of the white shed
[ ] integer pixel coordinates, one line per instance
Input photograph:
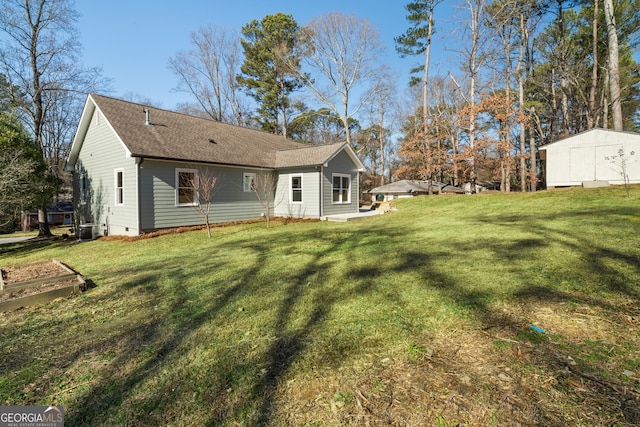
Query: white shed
(592, 157)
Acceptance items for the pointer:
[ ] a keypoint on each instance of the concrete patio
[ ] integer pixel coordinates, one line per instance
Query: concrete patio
(363, 213)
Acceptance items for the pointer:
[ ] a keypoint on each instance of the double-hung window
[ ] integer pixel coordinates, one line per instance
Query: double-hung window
(119, 186)
(186, 187)
(296, 189)
(341, 188)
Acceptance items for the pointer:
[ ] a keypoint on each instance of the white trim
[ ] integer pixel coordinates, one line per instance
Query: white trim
(252, 187)
(291, 189)
(321, 195)
(177, 187)
(82, 188)
(118, 191)
(341, 202)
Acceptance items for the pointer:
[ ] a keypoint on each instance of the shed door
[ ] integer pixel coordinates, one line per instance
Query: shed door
(582, 165)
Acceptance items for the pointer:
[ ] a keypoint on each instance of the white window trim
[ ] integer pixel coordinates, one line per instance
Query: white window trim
(177, 188)
(115, 186)
(291, 189)
(245, 175)
(82, 188)
(341, 202)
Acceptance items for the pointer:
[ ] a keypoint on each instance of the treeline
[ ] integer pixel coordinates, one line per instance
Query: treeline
(528, 72)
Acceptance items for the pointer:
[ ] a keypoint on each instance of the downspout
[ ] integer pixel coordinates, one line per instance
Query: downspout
(321, 191)
(139, 161)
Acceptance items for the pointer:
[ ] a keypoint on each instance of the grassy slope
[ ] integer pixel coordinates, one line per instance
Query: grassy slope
(420, 317)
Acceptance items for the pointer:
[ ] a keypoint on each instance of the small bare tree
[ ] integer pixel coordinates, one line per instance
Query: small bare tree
(264, 186)
(621, 166)
(16, 184)
(204, 183)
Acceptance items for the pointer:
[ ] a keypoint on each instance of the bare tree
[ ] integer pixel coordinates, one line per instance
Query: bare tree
(16, 192)
(473, 58)
(204, 182)
(264, 186)
(208, 72)
(40, 61)
(344, 50)
(381, 97)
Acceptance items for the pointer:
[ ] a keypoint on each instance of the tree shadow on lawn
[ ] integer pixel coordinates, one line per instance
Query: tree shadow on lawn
(237, 388)
(27, 247)
(553, 355)
(594, 253)
(549, 355)
(153, 341)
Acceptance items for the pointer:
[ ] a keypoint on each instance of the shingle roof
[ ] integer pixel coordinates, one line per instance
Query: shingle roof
(307, 155)
(177, 136)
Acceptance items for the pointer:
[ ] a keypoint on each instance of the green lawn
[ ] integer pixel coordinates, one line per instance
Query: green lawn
(418, 317)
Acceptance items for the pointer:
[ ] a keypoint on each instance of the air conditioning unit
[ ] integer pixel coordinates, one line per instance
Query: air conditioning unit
(87, 232)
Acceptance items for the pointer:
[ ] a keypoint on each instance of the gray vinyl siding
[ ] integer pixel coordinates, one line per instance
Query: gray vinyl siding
(341, 164)
(101, 154)
(310, 206)
(158, 196)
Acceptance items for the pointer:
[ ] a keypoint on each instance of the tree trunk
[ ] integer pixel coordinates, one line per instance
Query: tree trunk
(605, 100)
(592, 120)
(43, 223)
(425, 82)
(520, 72)
(38, 117)
(614, 75)
(382, 136)
(533, 171)
(476, 14)
(564, 84)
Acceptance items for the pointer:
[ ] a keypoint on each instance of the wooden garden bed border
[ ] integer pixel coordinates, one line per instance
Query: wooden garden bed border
(43, 297)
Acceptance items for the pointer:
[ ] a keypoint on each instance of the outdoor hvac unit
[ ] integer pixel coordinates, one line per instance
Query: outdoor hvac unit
(87, 232)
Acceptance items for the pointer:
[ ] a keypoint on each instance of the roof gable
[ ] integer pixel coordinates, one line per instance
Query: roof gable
(603, 133)
(176, 136)
(315, 155)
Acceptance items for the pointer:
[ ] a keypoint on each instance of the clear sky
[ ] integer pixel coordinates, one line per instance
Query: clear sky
(132, 40)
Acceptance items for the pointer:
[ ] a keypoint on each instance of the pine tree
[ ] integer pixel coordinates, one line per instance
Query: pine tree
(270, 54)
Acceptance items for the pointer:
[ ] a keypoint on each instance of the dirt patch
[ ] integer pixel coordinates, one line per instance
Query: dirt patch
(45, 276)
(33, 271)
(178, 230)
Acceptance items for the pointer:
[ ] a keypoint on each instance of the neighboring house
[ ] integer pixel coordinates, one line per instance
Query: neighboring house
(60, 213)
(411, 188)
(592, 157)
(133, 165)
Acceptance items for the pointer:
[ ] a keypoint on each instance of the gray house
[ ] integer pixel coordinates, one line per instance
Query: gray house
(134, 167)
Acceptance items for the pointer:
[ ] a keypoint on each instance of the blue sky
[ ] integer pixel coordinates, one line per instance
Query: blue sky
(132, 40)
